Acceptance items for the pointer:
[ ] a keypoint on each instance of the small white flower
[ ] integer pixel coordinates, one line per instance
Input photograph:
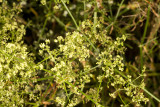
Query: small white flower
(65, 13)
(43, 2)
(40, 66)
(8, 76)
(42, 45)
(40, 52)
(60, 38)
(55, 40)
(56, 7)
(23, 3)
(47, 41)
(89, 5)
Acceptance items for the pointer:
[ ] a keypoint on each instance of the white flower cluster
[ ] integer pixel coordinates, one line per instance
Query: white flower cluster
(17, 67)
(43, 2)
(10, 28)
(75, 46)
(86, 61)
(79, 62)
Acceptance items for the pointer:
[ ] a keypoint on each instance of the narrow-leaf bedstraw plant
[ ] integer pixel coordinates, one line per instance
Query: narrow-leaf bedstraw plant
(17, 67)
(85, 57)
(86, 66)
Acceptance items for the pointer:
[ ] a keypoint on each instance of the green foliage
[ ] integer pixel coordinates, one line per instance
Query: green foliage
(10, 29)
(78, 63)
(17, 67)
(87, 64)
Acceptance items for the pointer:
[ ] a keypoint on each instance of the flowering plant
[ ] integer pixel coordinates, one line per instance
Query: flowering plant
(85, 65)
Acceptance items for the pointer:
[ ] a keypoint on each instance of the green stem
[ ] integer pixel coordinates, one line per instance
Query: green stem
(62, 24)
(151, 95)
(140, 87)
(84, 9)
(118, 11)
(88, 97)
(70, 14)
(95, 21)
(143, 37)
(45, 22)
(121, 98)
(76, 24)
